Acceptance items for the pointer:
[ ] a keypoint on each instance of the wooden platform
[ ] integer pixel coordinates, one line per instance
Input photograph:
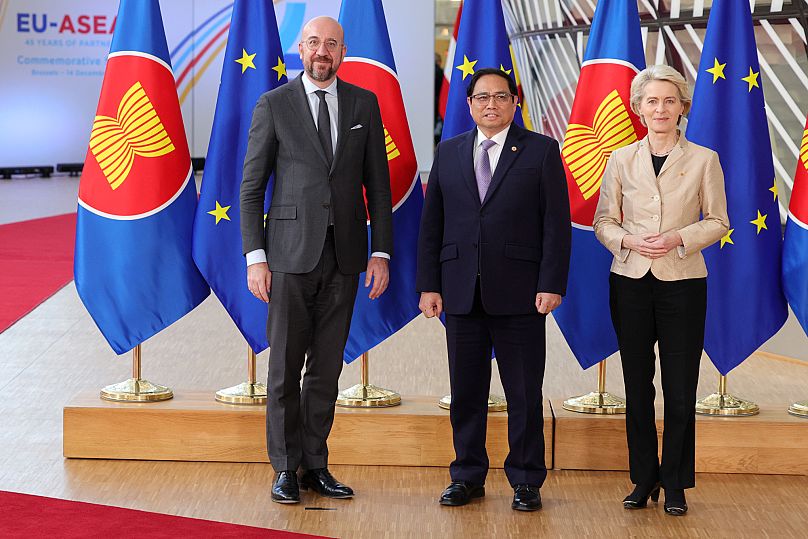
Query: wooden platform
(194, 427)
(772, 442)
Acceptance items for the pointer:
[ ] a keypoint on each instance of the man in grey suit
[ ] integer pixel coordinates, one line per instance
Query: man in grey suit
(324, 141)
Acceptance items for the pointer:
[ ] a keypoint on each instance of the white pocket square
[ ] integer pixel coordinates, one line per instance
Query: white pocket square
(357, 126)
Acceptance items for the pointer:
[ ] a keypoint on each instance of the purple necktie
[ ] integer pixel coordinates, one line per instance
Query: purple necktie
(482, 168)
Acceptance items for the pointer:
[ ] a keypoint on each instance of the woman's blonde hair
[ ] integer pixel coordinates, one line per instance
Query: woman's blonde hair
(663, 73)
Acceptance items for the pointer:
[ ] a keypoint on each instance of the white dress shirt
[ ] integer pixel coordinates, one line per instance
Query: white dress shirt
(259, 255)
(494, 151)
(330, 99)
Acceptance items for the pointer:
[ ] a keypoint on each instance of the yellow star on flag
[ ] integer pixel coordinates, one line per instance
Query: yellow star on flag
(717, 71)
(246, 60)
(280, 68)
(506, 71)
(773, 189)
(751, 79)
(467, 67)
(727, 238)
(220, 212)
(760, 222)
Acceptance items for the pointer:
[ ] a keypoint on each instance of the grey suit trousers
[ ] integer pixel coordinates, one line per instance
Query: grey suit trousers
(309, 319)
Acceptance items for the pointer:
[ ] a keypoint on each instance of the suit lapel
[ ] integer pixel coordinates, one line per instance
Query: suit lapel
(300, 105)
(346, 101)
(676, 153)
(466, 157)
(507, 156)
(644, 155)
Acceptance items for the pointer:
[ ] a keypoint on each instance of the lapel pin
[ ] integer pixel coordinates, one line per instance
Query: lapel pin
(513, 148)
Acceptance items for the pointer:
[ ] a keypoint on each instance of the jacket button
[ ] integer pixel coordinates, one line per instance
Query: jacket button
(326, 206)
(655, 197)
(655, 217)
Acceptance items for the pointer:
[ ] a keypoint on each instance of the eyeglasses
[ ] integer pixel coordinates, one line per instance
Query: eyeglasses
(499, 98)
(314, 43)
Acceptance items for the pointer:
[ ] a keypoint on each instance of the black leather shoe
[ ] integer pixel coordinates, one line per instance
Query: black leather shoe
(461, 493)
(285, 489)
(675, 503)
(526, 498)
(639, 496)
(323, 483)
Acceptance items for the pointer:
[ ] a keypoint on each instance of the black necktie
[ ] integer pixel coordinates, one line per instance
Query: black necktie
(324, 126)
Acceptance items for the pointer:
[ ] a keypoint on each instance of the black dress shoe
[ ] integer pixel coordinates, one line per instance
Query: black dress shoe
(461, 493)
(675, 503)
(639, 496)
(323, 483)
(285, 489)
(526, 498)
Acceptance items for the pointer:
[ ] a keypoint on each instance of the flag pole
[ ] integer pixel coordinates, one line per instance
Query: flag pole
(248, 392)
(598, 402)
(496, 403)
(724, 404)
(366, 395)
(136, 389)
(799, 409)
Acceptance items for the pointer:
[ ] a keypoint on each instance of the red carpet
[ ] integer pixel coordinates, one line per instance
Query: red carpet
(36, 258)
(23, 515)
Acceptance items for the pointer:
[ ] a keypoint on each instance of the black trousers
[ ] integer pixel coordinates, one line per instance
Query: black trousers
(520, 347)
(309, 319)
(672, 313)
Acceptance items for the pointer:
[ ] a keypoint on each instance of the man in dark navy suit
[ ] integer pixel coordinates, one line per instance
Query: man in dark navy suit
(493, 254)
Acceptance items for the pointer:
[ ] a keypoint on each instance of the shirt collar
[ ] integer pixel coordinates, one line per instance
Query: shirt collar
(310, 87)
(499, 138)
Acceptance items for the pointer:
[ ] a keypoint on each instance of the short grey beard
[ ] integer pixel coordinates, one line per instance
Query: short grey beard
(320, 78)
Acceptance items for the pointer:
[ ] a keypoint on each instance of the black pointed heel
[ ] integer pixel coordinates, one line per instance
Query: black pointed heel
(639, 497)
(675, 503)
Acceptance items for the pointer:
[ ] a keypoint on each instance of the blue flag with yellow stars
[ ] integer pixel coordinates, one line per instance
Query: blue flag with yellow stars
(482, 41)
(253, 64)
(745, 302)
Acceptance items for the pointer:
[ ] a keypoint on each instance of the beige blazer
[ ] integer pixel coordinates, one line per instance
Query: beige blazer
(688, 196)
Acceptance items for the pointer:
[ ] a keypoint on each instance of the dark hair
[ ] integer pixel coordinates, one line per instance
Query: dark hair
(490, 71)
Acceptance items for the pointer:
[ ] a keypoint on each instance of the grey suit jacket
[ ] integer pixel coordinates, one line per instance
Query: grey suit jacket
(283, 140)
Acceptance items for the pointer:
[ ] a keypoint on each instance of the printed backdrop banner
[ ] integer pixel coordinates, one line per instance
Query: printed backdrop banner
(53, 56)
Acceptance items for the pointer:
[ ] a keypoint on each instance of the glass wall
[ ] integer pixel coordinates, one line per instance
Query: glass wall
(549, 38)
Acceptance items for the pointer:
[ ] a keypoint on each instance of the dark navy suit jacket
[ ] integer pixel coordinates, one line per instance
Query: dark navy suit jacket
(517, 240)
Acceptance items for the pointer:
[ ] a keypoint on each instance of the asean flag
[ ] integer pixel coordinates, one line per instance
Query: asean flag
(795, 245)
(133, 266)
(601, 121)
(370, 64)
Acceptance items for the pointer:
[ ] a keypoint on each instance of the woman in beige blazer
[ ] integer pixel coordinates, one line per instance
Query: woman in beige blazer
(661, 202)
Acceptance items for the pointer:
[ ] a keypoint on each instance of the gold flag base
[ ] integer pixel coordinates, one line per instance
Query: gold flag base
(724, 404)
(244, 393)
(799, 409)
(596, 403)
(367, 396)
(495, 403)
(136, 390)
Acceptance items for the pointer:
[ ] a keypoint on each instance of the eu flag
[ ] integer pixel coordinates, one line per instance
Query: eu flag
(133, 266)
(482, 41)
(601, 121)
(795, 245)
(371, 66)
(253, 64)
(745, 302)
